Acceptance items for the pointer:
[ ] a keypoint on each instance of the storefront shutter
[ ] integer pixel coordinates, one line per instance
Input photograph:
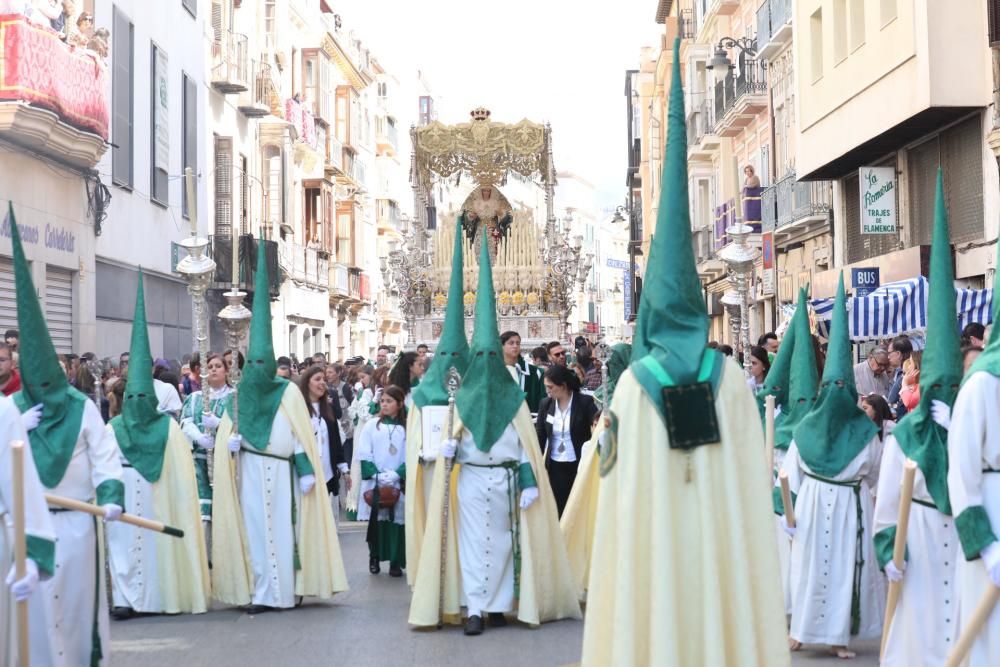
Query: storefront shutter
(8, 300)
(59, 307)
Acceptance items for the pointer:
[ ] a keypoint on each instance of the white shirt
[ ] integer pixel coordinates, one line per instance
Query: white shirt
(167, 397)
(561, 446)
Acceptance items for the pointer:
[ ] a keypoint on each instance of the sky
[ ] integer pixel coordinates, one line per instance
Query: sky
(561, 61)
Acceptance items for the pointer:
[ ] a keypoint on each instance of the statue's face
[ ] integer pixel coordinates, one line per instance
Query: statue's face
(487, 193)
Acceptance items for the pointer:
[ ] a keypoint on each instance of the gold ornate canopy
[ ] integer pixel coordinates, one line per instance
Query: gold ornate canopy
(484, 149)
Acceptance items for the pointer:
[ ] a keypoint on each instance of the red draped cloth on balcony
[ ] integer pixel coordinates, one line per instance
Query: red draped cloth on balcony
(38, 68)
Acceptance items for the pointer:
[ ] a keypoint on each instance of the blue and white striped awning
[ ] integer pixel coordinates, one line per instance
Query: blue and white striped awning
(900, 308)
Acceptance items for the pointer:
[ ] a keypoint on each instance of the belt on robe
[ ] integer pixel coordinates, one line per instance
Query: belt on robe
(859, 561)
(986, 470)
(513, 513)
(290, 460)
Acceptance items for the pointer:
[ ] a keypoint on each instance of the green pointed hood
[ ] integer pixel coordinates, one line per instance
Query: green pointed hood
(836, 429)
(919, 436)
(621, 356)
(989, 359)
(260, 389)
(43, 379)
(803, 377)
(141, 430)
(776, 382)
(453, 348)
(672, 322)
(489, 398)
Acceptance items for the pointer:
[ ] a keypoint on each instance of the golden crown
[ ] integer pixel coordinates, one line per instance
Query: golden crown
(480, 113)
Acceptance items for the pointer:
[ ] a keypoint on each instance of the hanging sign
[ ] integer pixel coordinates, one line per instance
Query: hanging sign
(878, 200)
(161, 113)
(865, 280)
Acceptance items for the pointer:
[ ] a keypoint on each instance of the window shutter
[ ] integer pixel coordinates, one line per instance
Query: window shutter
(993, 20)
(218, 20)
(121, 55)
(275, 189)
(224, 186)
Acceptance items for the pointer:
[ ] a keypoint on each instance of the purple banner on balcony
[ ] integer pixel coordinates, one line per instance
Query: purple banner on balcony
(721, 222)
(751, 208)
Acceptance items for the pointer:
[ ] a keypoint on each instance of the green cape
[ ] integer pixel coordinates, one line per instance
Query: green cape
(43, 379)
(836, 429)
(621, 356)
(453, 348)
(803, 378)
(921, 438)
(671, 321)
(141, 430)
(489, 398)
(776, 382)
(260, 389)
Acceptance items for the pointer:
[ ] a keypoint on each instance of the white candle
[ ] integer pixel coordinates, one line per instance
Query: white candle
(192, 203)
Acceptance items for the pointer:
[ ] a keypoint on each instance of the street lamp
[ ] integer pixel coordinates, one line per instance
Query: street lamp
(720, 62)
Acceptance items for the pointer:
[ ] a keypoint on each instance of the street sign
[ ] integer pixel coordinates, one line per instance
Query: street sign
(617, 264)
(627, 283)
(878, 200)
(865, 280)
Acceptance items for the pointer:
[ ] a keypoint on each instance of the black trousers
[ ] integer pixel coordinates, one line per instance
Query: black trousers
(561, 477)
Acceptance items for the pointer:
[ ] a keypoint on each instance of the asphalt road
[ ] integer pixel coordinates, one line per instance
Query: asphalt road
(365, 626)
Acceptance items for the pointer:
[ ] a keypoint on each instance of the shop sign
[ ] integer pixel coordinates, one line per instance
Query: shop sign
(878, 200)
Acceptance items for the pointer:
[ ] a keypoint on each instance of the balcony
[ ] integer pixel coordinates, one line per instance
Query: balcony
(221, 247)
(53, 100)
(387, 140)
(685, 28)
(339, 283)
(702, 139)
(257, 102)
(709, 266)
(335, 162)
(796, 210)
(739, 98)
(305, 266)
(230, 64)
(774, 28)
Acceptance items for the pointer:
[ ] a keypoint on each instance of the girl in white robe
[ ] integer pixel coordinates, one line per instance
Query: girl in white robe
(381, 450)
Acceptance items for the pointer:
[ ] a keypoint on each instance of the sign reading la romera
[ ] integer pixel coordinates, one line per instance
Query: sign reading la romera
(878, 200)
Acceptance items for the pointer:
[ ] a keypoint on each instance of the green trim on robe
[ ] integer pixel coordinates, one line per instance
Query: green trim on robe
(302, 465)
(401, 471)
(391, 543)
(974, 531)
(368, 470)
(111, 491)
(526, 476)
(779, 504)
(43, 552)
(885, 544)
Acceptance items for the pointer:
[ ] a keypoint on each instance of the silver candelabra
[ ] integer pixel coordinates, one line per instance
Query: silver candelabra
(739, 257)
(565, 267)
(235, 318)
(407, 268)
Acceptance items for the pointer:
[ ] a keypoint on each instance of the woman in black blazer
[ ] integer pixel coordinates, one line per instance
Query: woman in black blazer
(312, 383)
(565, 422)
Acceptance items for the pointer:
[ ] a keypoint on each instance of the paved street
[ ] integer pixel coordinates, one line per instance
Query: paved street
(366, 626)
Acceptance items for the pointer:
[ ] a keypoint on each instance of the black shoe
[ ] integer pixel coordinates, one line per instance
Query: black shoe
(373, 566)
(122, 613)
(497, 619)
(474, 626)
(257, 609)
(395, 570)
(298, 601)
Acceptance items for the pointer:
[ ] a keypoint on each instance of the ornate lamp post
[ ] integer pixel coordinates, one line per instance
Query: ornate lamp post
(731, 300)
(406, 268)
(739, 257)
(235, 318)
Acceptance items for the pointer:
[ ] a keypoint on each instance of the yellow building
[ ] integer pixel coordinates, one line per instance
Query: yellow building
(903, 85)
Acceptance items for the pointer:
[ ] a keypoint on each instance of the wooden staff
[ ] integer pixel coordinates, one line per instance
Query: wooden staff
(786, 499)
(20, 549)
(975, 625)
(899, 547)
(97, 510)
(769, 433)
(453, 381)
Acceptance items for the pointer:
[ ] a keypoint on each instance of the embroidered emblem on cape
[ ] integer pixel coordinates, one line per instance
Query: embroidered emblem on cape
(609, 452)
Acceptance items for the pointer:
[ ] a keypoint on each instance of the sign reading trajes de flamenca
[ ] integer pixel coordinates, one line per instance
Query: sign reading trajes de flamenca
(878, 200)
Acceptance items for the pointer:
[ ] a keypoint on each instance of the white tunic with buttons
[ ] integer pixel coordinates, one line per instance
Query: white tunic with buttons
(825, 548)
(485, 547)
(61, 615)
(267, 486)
(923, 627)
(974, 446)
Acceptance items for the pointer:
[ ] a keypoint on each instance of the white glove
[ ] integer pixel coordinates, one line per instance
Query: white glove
(892, 573)
(306, 483)
(777, 411)
(210, 421)
(528, 497)
(388, 478)
(448, 448)
(22, 588)
(991, 559)
(235, 441)
(205, 441)
(30, 419)
(112, 512)
(789, 530)
(941, 413)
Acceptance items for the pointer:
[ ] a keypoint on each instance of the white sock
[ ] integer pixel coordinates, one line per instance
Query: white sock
(473, 612)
